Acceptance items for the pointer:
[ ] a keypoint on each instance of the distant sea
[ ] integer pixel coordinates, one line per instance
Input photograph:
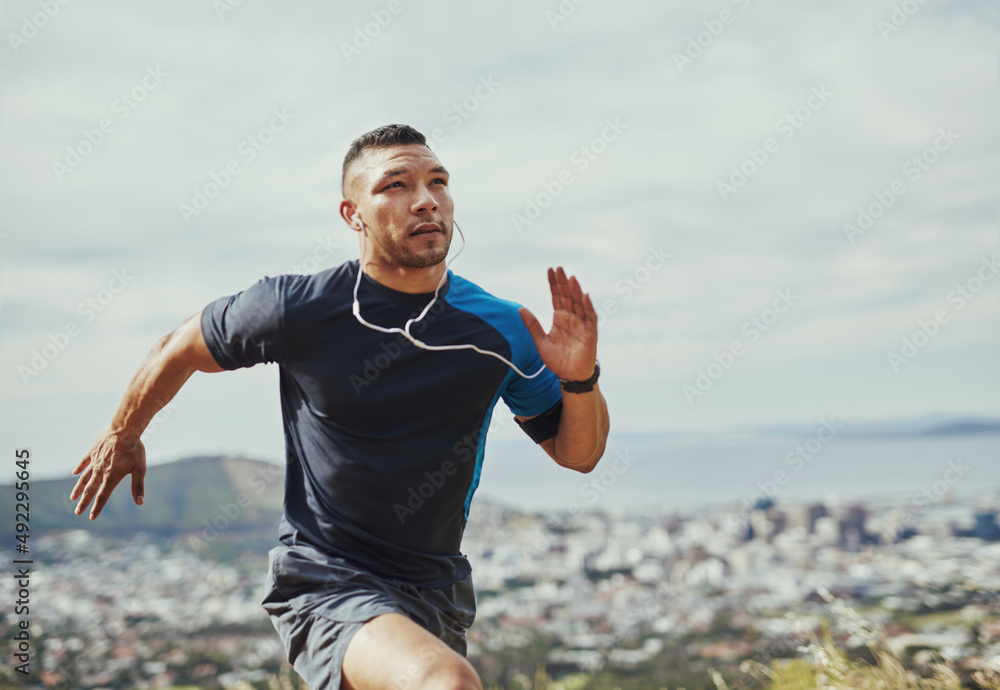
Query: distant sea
(693, 474)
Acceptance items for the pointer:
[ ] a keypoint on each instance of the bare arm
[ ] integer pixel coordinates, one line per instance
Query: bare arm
(583, 431)
(569, 350)
(118, 451)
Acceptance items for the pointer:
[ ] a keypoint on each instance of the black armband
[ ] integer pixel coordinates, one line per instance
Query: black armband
(544, 426)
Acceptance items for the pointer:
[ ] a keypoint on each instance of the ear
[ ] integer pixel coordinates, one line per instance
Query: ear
(349, 212)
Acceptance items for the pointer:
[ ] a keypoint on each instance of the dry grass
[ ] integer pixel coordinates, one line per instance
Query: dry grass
(827, 667)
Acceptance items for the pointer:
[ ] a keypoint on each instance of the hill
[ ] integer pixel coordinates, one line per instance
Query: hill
(229, 503)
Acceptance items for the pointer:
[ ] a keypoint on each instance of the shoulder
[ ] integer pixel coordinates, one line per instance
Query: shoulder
(295, 289)
(465, 294)
(501, 314)
(293, 295)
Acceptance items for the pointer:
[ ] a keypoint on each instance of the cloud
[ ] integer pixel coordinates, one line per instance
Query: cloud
(656, 184)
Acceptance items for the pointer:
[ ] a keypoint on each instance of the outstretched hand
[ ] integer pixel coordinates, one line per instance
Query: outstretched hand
(108, 462)
(569, 349)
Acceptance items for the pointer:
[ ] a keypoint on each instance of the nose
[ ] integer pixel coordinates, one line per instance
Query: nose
(424, 202)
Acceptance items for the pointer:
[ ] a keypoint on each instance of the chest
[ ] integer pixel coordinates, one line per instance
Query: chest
(375, 382)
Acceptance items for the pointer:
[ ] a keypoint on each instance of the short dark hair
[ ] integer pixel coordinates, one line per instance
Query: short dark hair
(380, 138)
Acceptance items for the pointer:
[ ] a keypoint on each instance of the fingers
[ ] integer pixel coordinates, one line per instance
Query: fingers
(111, 458)
(576, 296)
(86, 492)
(80, 484)
(532, 324)
(556, 287)
(137, 486)
(86, 487)
(567, 295)
(83, 463)
(84, 498)
(107, 487)
(589, 311)
(84, 480)
(562, 290)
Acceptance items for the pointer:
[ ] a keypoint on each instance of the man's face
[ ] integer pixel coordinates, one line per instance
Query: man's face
(402, 196)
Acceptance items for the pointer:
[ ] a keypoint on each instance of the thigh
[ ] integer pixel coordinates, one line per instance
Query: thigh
(392, 652)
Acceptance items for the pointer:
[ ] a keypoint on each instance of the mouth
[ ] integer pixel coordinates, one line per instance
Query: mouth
(427, 229)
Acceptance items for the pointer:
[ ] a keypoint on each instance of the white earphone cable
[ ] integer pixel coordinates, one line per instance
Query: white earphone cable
(405, 331)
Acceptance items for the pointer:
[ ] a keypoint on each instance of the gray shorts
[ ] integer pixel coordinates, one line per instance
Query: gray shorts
(317, 602)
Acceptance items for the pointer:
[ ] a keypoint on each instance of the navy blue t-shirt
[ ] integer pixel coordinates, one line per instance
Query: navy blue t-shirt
(384, 440)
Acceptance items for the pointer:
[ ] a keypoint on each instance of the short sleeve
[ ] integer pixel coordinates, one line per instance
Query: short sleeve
(529, 397)
(246, 328)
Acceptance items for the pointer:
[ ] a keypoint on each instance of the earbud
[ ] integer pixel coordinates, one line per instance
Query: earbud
(357, 218)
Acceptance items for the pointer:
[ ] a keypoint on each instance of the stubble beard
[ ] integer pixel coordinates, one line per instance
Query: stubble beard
(402, 255)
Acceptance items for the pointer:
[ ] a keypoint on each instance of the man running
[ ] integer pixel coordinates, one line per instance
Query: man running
(390, 367)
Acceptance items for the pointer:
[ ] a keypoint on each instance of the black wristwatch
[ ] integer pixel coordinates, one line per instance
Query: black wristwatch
(582, 386)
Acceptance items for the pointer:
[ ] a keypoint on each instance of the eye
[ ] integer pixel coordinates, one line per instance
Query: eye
(397, 182)
(441, 180)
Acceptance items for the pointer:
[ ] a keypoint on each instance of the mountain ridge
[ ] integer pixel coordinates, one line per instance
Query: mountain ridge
(187, 496)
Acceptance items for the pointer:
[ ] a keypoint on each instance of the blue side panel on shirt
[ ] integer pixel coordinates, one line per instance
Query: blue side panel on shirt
(530, 398)
(481, 446)
(469, 297)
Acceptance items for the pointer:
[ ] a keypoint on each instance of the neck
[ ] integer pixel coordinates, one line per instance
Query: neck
(404, 278)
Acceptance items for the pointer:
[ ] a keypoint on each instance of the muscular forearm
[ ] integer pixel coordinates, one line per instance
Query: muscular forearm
(166, 368)
(154, 384)
(118, 451)
(583, 430)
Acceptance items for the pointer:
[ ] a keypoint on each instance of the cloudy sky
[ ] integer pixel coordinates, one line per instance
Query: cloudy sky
(764, 198)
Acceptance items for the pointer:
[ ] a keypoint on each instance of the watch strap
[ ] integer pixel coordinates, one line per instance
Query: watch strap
(582, 386)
